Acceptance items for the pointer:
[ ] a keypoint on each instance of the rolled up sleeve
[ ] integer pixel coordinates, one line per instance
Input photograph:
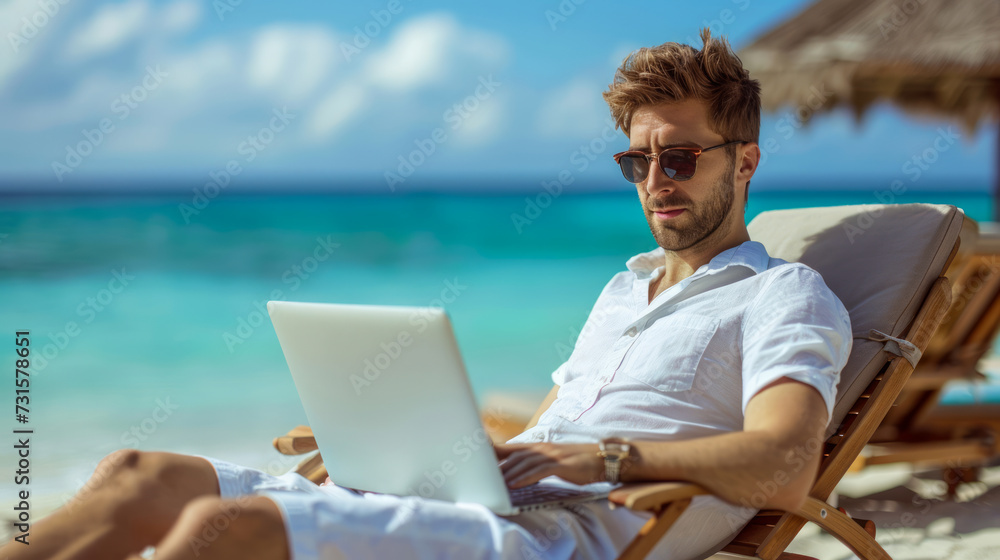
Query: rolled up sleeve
(797, 328)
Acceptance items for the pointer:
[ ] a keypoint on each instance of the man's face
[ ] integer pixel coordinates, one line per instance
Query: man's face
(681, 214)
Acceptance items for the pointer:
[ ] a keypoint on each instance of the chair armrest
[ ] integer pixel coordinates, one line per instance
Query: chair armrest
(313, 469)
(296, 442)
(650, 496)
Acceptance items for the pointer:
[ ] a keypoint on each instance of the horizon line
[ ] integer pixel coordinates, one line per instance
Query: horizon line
(511, 185)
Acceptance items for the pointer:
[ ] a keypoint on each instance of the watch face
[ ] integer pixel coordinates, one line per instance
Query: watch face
(615, 446)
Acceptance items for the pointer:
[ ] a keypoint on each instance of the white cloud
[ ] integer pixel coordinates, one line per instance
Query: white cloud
(484, 124)
(426, 48)
(336, 109)
(180, 16)
(109, 28)
(218, 88)
(87, 102)
(431, 51)
(576, 109)
(268, 53)
(619, 53)
(140, 140)
(202, 68)
(416, 54)
(24, 26)
(292, 61)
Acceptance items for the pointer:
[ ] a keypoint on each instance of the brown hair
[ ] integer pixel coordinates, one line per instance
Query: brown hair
(676, 72)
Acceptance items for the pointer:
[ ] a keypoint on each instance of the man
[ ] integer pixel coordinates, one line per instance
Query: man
(718, 363)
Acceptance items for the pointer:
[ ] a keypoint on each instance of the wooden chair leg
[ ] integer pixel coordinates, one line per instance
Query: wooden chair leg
(956, 476)
(845, 529)
(653, 531)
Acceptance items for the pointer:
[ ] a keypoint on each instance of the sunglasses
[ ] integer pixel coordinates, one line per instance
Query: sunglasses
(677, 163)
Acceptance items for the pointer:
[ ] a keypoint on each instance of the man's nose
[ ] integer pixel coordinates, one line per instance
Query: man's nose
(657, 181)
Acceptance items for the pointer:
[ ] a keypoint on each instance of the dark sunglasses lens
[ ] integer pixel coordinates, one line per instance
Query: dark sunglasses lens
(634, 168)
(679, 165)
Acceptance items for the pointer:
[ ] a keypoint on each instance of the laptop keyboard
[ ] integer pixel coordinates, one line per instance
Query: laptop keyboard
(538, 494)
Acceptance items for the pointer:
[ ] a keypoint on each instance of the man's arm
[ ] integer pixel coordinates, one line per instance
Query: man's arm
(549, 399)
(774, 458)
(771, 463)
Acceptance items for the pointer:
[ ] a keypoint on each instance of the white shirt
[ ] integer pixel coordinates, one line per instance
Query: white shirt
(686, 364)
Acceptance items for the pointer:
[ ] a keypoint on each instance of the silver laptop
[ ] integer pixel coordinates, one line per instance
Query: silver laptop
(386, 394)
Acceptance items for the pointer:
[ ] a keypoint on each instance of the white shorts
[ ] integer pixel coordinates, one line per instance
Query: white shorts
(331, 522)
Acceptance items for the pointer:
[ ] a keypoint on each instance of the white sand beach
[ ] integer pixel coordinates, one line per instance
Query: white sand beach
(914, 521)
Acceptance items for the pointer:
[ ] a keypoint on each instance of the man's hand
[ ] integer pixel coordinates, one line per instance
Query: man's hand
(527, 463)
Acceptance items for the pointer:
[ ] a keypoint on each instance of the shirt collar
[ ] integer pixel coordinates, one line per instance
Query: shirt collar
(749, 254)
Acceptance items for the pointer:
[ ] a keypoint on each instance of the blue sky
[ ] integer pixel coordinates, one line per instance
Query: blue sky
(498, 94)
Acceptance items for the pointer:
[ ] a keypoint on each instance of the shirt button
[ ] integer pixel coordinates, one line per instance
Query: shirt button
(631, 331)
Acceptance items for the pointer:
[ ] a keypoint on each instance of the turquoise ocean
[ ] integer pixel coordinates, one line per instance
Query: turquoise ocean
(170, 350)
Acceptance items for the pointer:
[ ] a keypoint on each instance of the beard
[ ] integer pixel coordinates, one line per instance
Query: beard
(702, 220)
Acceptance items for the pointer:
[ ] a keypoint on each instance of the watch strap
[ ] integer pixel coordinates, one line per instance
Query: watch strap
(612, 469)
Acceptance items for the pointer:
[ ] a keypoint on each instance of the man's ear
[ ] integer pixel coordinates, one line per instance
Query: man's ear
(749, 160)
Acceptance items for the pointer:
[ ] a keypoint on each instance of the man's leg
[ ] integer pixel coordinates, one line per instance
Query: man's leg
(131, 501)
(211, 528)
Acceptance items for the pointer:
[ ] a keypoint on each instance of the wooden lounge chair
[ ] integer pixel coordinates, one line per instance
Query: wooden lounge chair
(918, 429)
(885, 263)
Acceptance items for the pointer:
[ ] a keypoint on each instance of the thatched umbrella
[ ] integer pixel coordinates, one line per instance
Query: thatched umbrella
(937, 57)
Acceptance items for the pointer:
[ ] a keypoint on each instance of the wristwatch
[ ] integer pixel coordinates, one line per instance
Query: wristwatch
(615, 452)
